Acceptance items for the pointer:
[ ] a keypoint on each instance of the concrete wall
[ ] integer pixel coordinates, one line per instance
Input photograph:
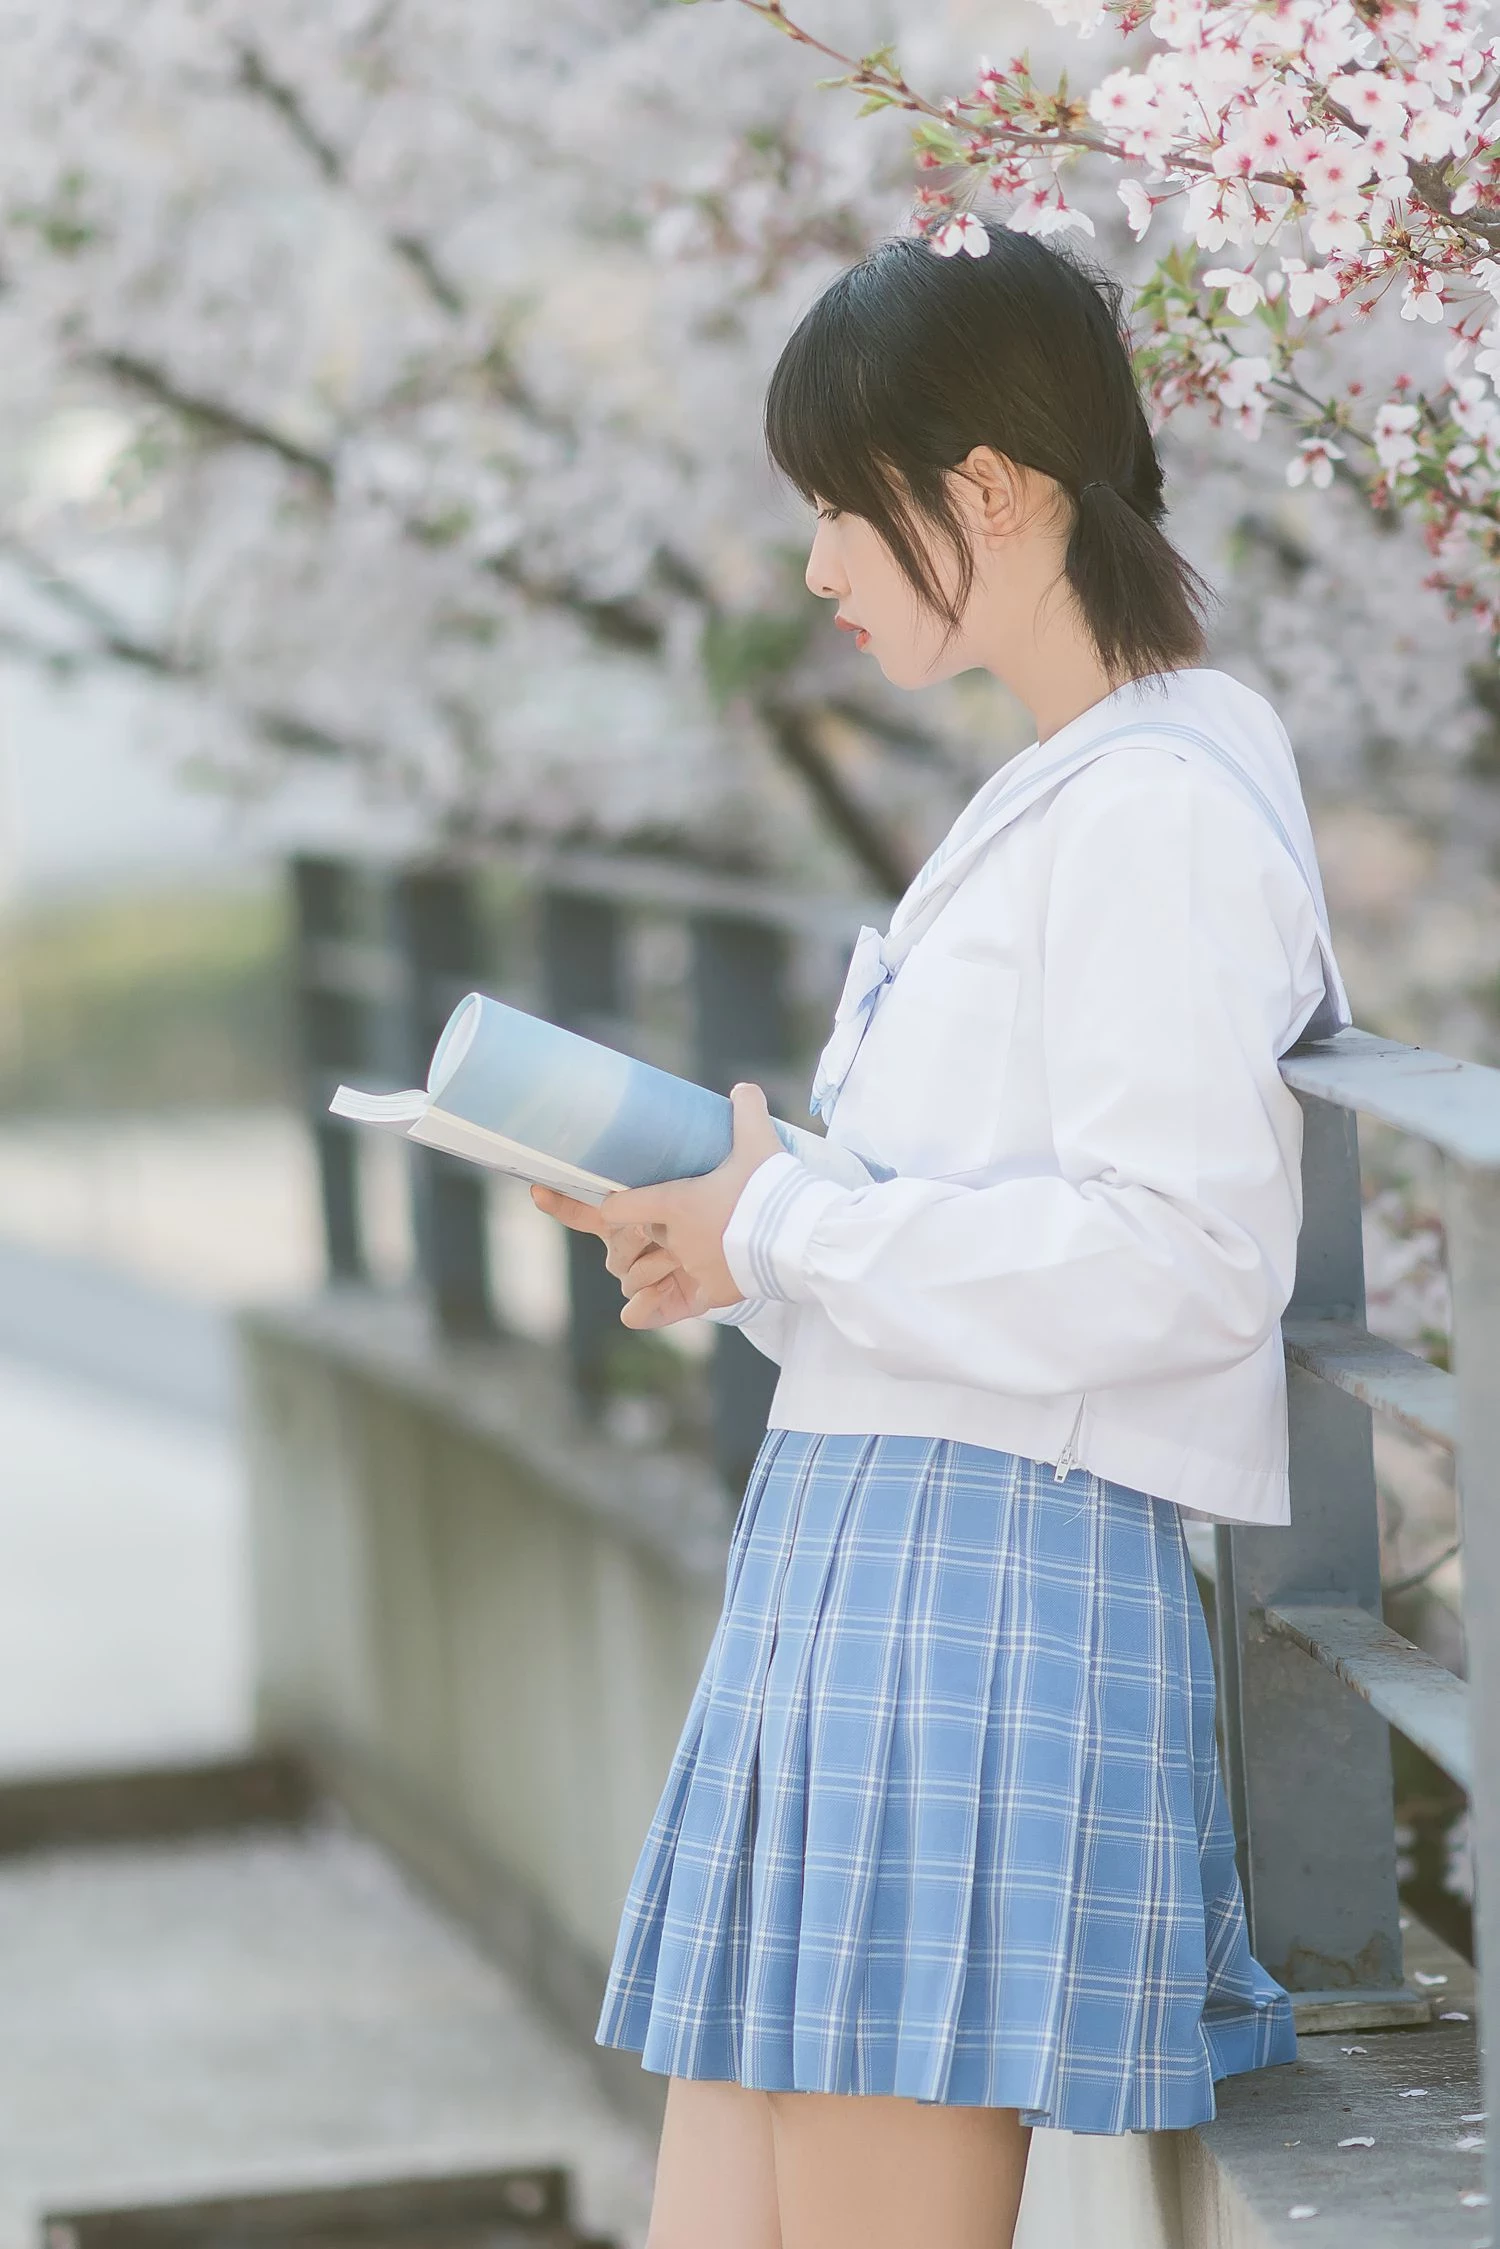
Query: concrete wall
(490, 1666)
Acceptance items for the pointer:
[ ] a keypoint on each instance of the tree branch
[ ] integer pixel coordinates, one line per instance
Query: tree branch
(114, 641)
(211, 415)
(255, 79)
(793, 730)
(619, 623)
(897, 733)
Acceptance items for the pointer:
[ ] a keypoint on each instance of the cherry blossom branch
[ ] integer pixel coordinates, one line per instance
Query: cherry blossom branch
(213, 416)
(618, 623)
(254, 77)
(793, 728)
(884, 85)
(114, 641)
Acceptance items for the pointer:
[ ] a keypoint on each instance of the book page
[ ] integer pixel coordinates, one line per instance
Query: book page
(456, 1136)
(396, 1111)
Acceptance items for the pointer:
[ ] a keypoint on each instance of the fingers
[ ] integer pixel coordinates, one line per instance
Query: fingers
(582, 1217)
(657, 1305)
(641, 1206)
(642, 1269)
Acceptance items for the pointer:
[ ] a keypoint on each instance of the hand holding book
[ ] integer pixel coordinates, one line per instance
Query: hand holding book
(516, 1093)
(670, 1261)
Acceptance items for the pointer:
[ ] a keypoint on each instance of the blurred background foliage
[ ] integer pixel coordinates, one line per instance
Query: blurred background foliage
(131, 1001)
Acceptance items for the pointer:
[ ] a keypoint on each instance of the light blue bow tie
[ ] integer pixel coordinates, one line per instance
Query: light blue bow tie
(869, 974)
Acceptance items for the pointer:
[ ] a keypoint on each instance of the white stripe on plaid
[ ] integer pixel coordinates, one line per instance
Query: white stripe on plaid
(945, 1819)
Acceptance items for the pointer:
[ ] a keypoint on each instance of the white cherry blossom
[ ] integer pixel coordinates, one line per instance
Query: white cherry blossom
(1242, 290)
(1313, 462)
(1395, 446)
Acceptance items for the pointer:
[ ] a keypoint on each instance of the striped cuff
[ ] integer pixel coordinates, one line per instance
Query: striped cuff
(735, 1315)
(765, 1242)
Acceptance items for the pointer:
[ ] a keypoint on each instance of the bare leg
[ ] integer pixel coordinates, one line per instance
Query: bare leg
(866, 2171)
(715, 2170)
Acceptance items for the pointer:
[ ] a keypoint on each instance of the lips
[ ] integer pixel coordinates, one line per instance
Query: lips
(847, 625)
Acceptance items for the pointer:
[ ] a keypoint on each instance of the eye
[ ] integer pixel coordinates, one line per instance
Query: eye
(829, 515)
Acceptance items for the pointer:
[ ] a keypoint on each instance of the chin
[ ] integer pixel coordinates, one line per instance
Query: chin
(908, 675)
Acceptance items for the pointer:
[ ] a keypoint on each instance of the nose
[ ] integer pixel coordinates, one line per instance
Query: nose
(824, 575)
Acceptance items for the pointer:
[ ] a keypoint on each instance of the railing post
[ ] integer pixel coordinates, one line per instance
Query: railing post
(582, 979)
(332, 1038)
(1308, 1764)
(1473, 1229)
(740, 1030)
(433, 931)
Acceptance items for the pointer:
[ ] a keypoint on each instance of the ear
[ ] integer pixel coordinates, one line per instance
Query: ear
(992, 492)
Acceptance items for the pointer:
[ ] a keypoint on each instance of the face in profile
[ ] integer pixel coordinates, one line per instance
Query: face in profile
(851, 564)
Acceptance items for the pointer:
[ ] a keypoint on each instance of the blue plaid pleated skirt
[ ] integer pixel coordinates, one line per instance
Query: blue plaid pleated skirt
(946, 1819)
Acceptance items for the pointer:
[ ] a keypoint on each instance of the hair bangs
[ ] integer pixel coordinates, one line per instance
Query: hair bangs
(819, 424)
(832, 427)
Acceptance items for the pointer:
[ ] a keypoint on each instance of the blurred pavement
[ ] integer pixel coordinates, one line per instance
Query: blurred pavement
(122, 1586)
(264, 2011)
(258, 2013)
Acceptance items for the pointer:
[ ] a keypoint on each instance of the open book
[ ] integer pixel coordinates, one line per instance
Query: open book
(518, 1094)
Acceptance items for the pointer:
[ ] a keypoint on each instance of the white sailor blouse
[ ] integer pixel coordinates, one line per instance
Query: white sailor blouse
(1060, 1062)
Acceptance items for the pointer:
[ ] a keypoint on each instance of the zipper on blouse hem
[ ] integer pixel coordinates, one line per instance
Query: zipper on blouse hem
(1067, 1459)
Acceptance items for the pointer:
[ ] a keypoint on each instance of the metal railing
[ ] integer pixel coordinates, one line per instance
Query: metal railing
(384, 953)
(1310, 1676)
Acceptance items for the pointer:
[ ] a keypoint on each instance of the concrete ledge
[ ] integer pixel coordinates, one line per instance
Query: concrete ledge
(152, 1803)
(512, 1395)
(1275, 2144)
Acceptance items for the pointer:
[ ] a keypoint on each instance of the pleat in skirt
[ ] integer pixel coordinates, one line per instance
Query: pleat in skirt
(946, 1818)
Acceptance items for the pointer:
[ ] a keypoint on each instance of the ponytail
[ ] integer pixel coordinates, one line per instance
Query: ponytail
(908, 361)
(1143, 604)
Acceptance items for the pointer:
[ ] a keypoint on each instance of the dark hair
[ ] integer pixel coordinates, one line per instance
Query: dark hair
(908, 360)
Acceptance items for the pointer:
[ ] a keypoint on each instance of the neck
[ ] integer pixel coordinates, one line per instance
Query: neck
(1058, 679)
(1050, 664)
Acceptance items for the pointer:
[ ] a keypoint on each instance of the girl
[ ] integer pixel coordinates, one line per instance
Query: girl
(944, 1854)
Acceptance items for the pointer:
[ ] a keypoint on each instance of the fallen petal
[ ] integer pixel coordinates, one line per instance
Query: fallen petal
(1413, 2093)
(1303, 2210)
(1453, 2015)
(1468, 2142)
(1472, 2199)
(1354, 2049)
(1360, 2140)
(1427, 1982)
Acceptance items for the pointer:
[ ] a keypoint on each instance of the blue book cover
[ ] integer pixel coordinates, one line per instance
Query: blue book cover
(521, 1095)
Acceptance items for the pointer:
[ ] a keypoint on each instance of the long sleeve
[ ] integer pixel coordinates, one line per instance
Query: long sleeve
(1164, 1244)
(764, 1320)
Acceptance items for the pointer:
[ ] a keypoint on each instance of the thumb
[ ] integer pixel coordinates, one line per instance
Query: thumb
(753, 1124)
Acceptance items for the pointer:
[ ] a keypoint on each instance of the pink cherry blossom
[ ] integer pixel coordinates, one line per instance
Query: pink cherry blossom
(1331, 169)
(1370, 99)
